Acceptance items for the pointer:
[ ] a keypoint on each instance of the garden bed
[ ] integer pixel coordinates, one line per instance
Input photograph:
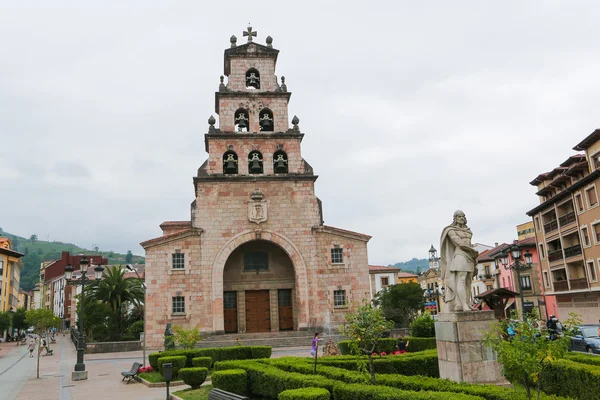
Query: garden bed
(155, 379)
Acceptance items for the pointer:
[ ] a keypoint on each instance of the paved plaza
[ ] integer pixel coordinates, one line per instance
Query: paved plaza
(18, 374)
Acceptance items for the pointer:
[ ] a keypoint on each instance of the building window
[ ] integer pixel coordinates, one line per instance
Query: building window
(230, 163)
(1, 267)
(592, 197)
(596, 232)
(178, 305)
(229, 300)
(178, 260)
(337, 256)
(252, 79)
(339, 298)
(284, 297)
(256, 261)
(546, 279)
(385, 281)
(579, 203)
(585, 236)
(596, 160)
(489, 287)
(525, 282)
(592, 271)
(265, 120)
(255, 162)
(536, 222)
(280, 162)
(542, 254)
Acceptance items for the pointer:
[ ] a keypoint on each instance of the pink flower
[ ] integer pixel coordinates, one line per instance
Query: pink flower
(374, 354)
(397, 352)
(383, 353)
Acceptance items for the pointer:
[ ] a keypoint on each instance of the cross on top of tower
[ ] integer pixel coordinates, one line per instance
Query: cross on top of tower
(249, 32)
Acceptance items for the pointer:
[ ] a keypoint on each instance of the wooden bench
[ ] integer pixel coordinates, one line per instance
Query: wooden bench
(49, 352)
(218, 394)
(132, 373)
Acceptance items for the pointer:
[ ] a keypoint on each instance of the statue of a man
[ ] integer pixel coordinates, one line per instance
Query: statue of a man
(169, 338)
(458, 262)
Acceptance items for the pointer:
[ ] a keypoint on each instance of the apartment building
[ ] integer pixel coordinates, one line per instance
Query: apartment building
(567, 231)
(10, 276)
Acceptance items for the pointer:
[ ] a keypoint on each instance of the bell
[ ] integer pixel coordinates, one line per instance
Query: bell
(230, 167)
(242, 124)
(266, 123)
(281, 167)
(255, 167)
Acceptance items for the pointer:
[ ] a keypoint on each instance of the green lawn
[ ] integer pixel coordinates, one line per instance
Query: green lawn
(153, 377)
(194, 394)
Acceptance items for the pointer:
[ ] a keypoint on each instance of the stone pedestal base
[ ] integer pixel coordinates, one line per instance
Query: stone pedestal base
(79, 375)
(461, 355)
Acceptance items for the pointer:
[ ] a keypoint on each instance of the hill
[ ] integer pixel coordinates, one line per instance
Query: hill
(415, 265)
(36, 251)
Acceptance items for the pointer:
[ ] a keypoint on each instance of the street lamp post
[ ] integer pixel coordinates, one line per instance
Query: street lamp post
(130, 267)
(79, 372)
(518, 266)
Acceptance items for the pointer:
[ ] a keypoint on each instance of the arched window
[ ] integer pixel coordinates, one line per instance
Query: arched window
(255, 162)
(265, 119)
(280, 162)
(252, 79)
(241, 120)
(230, 163)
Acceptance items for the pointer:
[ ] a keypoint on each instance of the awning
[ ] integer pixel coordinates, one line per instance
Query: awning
(509, 303)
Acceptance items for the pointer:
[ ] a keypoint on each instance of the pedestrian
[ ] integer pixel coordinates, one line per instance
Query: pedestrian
(551, 324)
(31, 347)
(43, 346)
(315, 345)
(401, 345)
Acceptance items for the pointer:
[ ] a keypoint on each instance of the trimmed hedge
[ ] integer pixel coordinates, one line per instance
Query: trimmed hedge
(305, 394)
(416, 344)
(216, 354)
(202, 362)
(572, 379)
(178, 363)
(231, 380)
(364, 392)
(384, 344)
(583, 358)
(194, 377)
(305, 366)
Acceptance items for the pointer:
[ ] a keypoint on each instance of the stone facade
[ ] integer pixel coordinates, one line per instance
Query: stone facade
(255, 255)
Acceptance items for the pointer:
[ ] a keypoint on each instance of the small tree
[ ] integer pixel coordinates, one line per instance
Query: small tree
(129, 257)
(401, 303)
(525, 355)
(423, 326)
(187, 338)
(41, 319)
(18, 320)
(365, 327)
(4, 322)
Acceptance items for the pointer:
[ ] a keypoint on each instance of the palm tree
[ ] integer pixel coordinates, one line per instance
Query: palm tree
(117, 291)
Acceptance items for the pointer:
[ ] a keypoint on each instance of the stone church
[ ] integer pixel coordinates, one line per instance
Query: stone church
(255, 255)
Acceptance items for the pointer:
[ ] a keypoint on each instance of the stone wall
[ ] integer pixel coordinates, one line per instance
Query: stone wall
(112, 347)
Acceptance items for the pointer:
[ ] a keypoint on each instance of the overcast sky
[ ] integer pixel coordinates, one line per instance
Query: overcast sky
(411, 110)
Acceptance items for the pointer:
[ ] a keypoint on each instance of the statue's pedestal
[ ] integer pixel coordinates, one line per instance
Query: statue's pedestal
(462, 357)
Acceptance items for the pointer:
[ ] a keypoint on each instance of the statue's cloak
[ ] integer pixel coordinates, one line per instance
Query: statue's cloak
(446, 252)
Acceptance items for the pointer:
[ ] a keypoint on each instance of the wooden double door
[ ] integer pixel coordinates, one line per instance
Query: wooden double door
(258, 311)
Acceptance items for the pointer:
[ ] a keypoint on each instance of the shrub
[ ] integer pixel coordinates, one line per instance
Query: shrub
(364, 392)
(260, 352)
(216, 354)
(231, 380)
(305, 394)
(135, 329)
(423, 326)
(178, 363)
(153, 359)
(416, 344)
(305, 366)
(204, 362)
(187, 338)
(386, 345)
(571, 379)
(194, 377)
(583, 358)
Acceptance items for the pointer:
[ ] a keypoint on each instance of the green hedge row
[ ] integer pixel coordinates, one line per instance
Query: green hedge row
(216, 354)
(388, 345)
(572, 379)
(305, 394)
(177, 361)
(194, 377)
(364, 392)
(231, 380)
(305, 366)
(583, 358)
(202, 362)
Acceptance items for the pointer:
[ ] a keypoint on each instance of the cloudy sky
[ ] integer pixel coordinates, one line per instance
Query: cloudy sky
(410, 109)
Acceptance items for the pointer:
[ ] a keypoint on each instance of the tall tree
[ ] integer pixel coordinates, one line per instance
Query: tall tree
(4, 321)
(129, 257)
(41, 319)
(401, 303)
(33, 238)
(18, 319)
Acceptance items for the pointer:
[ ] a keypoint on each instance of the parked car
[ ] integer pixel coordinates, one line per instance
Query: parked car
(587, 338)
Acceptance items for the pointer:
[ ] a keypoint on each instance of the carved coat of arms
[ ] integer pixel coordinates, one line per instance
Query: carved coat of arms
(257, 208)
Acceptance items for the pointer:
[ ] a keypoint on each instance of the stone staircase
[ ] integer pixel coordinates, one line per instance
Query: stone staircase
(274, 339)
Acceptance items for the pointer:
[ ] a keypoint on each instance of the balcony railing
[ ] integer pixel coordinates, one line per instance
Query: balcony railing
(573, 250)
(567, 218)
(579, 283)
(561, 286)
(551, 226)
(555, 255)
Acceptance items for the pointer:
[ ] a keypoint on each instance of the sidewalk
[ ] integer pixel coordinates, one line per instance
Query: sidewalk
(15, 369)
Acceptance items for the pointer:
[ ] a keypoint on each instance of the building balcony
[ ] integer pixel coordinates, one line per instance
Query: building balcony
(561, 286)
(555, 255)
(578, 283)
(551, 226)
(573, 251)
(567, 219)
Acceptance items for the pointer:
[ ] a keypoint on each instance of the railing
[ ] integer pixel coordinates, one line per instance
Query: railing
(561, 286)
(579, 283)
(567, 218)
(555, 255)
(572, 251)
(551, 226)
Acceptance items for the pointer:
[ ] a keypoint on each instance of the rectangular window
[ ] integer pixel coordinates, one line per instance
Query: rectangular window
(536, 221)
(256, 261)
(579, 203)
(542, 254)
(596, 233)
(546, 279)
(585, 237)
(339, 298)
(337, 256)
(591, 196)
(1, 267)
(487, 270)
(229, 300)
(284, 297)
(489, 287)
(178, 260)
(178, 305)
(592, 271)
(525, 283)
(385, 282)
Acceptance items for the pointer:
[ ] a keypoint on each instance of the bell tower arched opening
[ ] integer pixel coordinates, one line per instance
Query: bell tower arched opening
(259, 289)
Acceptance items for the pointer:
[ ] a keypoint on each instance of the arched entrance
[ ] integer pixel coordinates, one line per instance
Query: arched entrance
(258, 289)
(286, 256)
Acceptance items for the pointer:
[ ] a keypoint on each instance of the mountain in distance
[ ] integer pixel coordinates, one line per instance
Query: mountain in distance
(414, 266)
(37, 251)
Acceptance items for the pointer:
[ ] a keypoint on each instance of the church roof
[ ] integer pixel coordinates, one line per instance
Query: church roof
(342, 232)
(248, 50)
(170, 237)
